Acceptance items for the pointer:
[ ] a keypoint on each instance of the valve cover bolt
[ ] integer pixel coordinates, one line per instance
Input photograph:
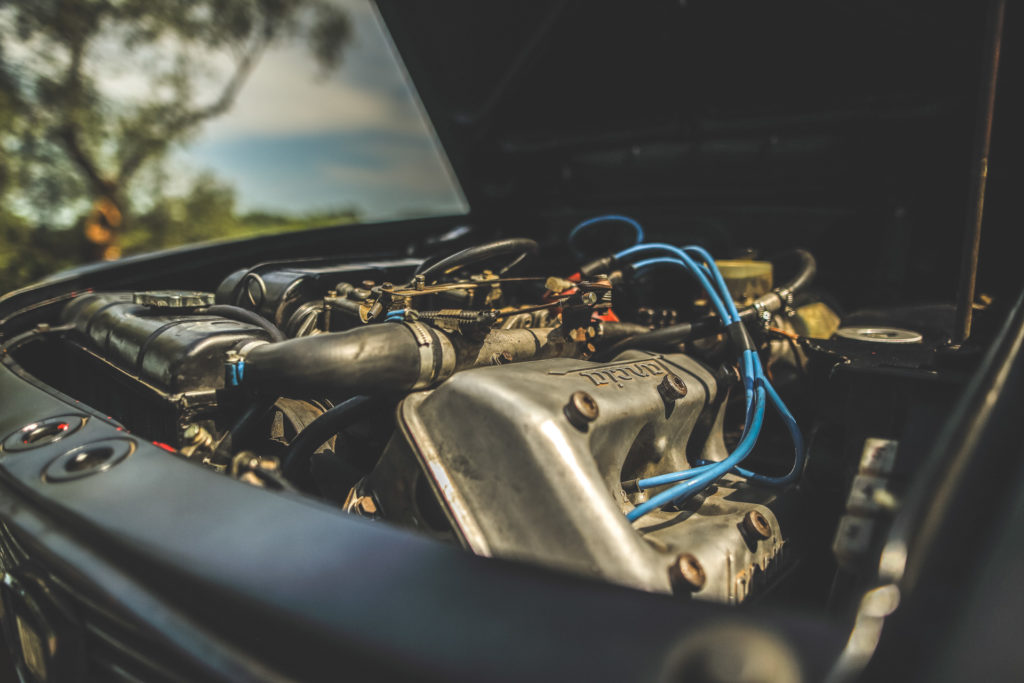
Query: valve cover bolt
(672, 387)
(687, 573)
(757, 525)
(581, 409)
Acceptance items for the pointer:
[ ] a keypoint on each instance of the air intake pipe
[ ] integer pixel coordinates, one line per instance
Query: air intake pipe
(385, 358)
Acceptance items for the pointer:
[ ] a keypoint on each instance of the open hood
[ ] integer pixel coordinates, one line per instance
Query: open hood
(746, 122)
(546, 104)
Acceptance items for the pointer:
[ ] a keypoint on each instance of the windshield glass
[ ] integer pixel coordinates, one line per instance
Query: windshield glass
(128, 127)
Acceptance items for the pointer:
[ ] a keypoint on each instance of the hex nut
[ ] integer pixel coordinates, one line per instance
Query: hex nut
(687, 573)
(672, 387)
(757, 525)
(366, 506)
(581, 409)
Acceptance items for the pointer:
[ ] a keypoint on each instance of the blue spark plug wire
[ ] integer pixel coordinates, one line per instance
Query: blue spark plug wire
(580, 228)
(758, 390)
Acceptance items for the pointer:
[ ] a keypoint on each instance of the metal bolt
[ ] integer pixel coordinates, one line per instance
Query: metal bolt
(581, 409)
(757, 524)
(672, 387)
(687, 573)
(195, 435)
(366, 506)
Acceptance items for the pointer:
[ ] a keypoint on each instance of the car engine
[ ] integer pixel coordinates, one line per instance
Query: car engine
(590, 419)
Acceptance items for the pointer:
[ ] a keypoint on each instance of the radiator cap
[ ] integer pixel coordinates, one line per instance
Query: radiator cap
(173, 299)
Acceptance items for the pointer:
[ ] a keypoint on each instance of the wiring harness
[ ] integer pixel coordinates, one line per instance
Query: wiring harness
(758, 390)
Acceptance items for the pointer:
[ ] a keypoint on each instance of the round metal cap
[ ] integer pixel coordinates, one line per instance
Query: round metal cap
(173, 299)
(884, 335)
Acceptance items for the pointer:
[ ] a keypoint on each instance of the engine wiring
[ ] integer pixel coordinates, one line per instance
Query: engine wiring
(575, 233)
(758, 390)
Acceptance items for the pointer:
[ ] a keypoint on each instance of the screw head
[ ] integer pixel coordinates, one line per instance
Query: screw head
(757, 525)
(687, 573)
(672, 387)
(581, 409)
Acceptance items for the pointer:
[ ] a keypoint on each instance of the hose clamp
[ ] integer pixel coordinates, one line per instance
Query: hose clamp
(234, 362)
(437, 355)
(786, 297)
(764, 316)
(245, 348)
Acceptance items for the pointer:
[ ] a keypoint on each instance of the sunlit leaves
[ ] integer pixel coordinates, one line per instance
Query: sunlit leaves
(194, 54)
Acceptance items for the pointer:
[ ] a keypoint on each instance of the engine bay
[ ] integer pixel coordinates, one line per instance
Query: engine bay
(600, 419)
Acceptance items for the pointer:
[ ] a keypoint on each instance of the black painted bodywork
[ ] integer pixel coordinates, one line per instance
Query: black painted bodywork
(164, 569)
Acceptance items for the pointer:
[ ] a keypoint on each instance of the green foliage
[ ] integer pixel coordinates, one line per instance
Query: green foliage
(206, 212)
(28, 254)
(67, 140)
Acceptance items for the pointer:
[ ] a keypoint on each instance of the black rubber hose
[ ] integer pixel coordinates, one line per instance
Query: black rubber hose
(322, 429)
(808, 271)
(805, 275)
(374, 359)
(244, 315)
(662, 338)
(617, 331)
(238, 437)
(709, 325)
(517, 245)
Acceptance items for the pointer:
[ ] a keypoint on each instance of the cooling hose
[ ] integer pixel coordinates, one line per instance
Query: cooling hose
(322, 429)
(517, 246)
(386, 358)
(383, 358)
(243, 315)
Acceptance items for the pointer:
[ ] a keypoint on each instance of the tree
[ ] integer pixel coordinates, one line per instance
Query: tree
(75, 145)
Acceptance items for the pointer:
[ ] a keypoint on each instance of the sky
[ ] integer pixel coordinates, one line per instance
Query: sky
(298, 142)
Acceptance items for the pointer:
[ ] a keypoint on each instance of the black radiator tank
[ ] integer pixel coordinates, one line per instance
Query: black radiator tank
(155, 370)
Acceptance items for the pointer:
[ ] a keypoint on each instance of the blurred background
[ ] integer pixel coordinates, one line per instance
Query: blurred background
(133, 125)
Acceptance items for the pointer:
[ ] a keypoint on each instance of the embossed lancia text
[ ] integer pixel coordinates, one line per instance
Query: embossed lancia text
(618, 374)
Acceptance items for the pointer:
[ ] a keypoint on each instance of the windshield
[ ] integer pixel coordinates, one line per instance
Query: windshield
(128, 127)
